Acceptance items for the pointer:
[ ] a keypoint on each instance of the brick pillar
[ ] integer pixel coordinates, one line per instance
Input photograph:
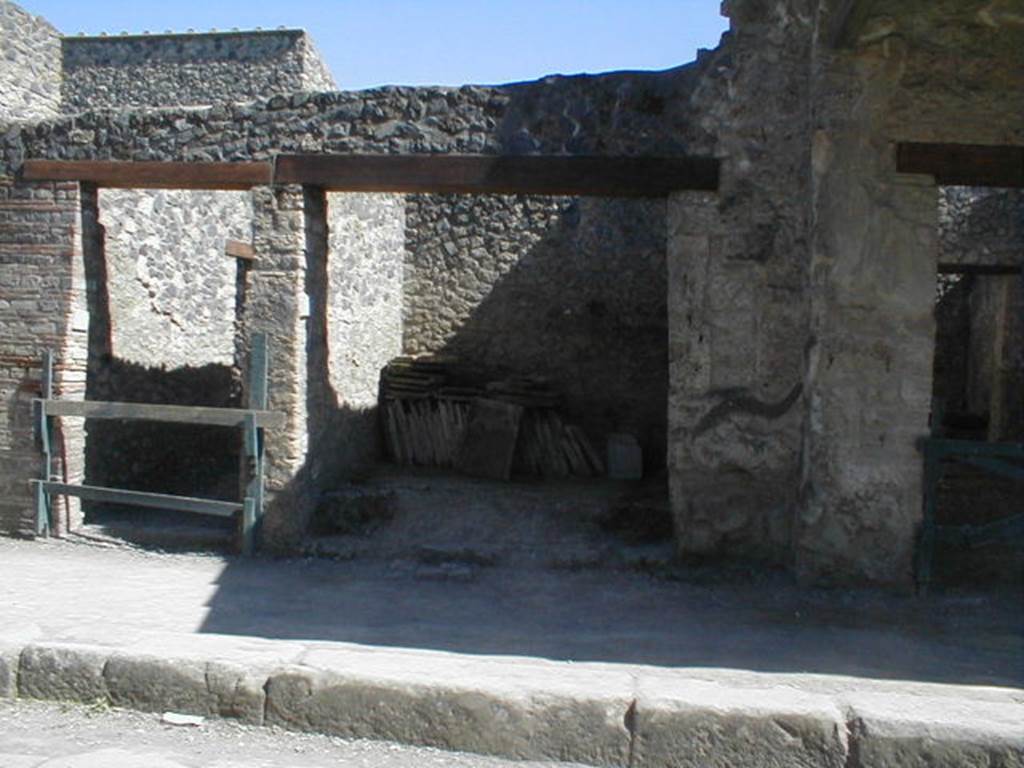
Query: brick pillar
(42, 306)
(276, 304)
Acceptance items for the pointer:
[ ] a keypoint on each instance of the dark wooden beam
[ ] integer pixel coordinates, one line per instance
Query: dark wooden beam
(500, 174)
(150, 175)
(979, 269)
(969, 165)
(239, 250)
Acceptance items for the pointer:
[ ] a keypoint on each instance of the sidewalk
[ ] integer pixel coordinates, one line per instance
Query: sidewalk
(603, 668)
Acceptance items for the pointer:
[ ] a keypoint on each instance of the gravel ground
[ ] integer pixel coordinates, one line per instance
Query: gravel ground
(35, 734)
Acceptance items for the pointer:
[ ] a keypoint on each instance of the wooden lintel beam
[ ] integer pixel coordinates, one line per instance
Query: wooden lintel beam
(979, 269)
(969, 165)
(239, 250)
(150, 174)
(500, 174)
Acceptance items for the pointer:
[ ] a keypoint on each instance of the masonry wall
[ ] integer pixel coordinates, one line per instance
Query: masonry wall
(171, 286)
(801, 297)
(42, 307)
(30, 71)
(620, 114)
(170, 290)
(898, 72)
(211, 68)
(738, 301)
(569, 289)
(355, 285)
(636, 113)
(981, 226)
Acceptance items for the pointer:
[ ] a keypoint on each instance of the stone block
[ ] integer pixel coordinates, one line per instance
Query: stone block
(9, 671)
(585, 730)
(62, 672)
(905, 731)
(237, 691)
(719, 728)
(192, 687)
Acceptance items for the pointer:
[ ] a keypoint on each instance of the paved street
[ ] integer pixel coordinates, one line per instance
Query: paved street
(38, 734)
(62, 592)
(584, 665)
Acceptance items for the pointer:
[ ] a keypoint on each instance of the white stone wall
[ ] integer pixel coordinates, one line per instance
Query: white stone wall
(366, 248)
(171, 287)
(29, 65)
(164, 70)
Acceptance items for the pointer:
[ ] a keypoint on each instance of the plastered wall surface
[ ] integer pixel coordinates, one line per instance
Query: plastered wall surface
(738, 294)
(912, 71)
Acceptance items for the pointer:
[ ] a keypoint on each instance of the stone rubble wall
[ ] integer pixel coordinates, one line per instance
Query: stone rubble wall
(171, 286)
(365, 272)
(621, 114)
(627, 114)
(570, 289)
(360, 284)
(208, 68)
(801, 297)
(981, 226)
(30, 70)
(316, 76)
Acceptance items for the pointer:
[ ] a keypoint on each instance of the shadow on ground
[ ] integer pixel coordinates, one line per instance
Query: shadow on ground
(587, 607)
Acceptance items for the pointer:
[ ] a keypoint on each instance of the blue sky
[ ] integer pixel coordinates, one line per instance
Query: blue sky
(444, 42)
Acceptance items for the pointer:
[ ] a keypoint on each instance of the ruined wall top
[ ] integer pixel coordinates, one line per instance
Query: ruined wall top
(617, 114)
(188, 69)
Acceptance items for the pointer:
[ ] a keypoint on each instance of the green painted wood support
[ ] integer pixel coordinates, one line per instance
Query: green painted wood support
(1003, 459)
(253, 444)
(248, 527)
(213, 507)
(44, 427)
(253, 421)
